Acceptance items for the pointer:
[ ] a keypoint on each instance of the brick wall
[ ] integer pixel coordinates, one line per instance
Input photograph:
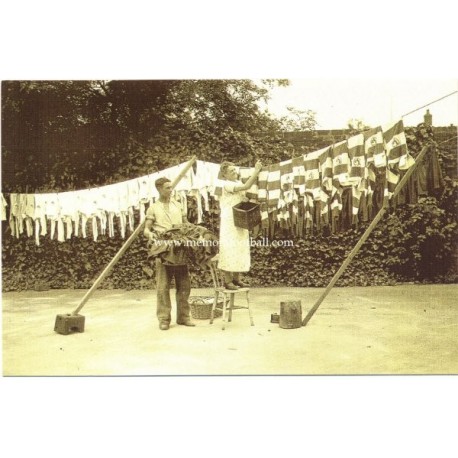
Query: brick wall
(311, 141)
(302, 138)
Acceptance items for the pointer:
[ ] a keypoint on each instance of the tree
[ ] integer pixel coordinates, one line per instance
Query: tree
(298, 120)
(357, 125)
(60, 135)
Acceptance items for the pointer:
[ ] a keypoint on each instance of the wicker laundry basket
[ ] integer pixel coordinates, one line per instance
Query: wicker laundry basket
(201, 307)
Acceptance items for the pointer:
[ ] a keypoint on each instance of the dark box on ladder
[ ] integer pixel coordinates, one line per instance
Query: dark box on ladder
(247, 215)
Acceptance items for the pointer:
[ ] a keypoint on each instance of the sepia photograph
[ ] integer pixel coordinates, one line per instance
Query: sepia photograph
(229, 227)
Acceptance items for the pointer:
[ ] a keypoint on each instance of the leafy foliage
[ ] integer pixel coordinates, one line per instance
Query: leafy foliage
(89, 133)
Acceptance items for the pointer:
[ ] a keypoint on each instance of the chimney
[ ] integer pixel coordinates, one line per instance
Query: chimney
(428, 118)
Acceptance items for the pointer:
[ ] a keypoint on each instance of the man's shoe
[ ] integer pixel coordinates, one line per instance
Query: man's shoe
(164, 326)
(186, 323)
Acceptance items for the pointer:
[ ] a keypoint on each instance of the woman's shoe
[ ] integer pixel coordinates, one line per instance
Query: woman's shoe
(241, 284)
(232, 286)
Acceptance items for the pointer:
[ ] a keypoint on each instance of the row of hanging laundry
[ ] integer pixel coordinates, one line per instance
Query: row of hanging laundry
(301, 191)
(354, 169)
(99, 210)
(351, 206)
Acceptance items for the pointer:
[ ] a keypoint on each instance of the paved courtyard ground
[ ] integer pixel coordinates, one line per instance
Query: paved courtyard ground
(407, 329)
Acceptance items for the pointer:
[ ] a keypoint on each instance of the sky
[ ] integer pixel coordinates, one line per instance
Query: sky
(374, 101)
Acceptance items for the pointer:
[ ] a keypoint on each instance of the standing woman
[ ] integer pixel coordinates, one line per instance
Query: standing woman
(234, 242)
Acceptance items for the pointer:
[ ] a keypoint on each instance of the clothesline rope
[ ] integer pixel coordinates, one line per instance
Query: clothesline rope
(430, 103)
(445, 141)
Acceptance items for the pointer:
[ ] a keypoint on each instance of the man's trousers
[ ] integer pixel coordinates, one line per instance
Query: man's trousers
(164, 275)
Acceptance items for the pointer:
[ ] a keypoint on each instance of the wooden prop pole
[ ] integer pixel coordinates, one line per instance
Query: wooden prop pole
(364, 237)
(126, 245)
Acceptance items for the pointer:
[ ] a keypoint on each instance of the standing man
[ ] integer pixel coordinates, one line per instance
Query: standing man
(161, 216)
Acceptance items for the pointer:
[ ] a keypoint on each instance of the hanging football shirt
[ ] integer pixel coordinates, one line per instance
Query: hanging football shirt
(109, 202)
(286, 175)
(392, 179)
(30, 206)
(308, 207)
(374, 147)
(299, 174)
(262, 184)
(324, 199)
(14, 213)
(341, 162)
(133, 201)
(273, 185)
(52, 206)
(40, 216)
(325, 158)
(312, 176)
(69, 211)
(397, 154)
(395, 143)
(144, 194)
(357, 158)
(52, 211)
(89, 208)
(22, 201)
(133, 193)
(123, 192)
(340, 177)
(144, 188)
